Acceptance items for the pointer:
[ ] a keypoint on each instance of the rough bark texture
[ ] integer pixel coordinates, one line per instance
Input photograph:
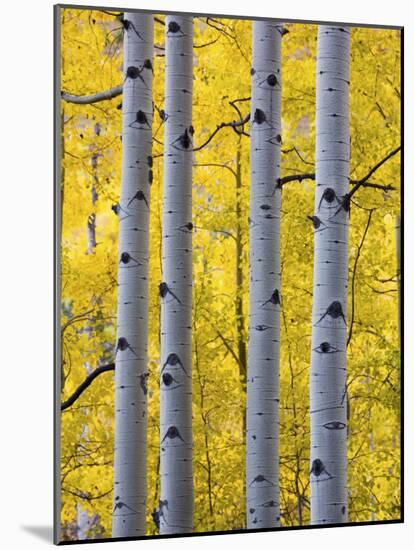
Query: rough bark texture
(132, 329)
(328, 400)
(262, 468)
(176, 501)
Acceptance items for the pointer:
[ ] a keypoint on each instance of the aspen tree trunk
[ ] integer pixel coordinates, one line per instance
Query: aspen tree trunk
(131, 373)
(262, 467)
(328, 400)
(176, 501)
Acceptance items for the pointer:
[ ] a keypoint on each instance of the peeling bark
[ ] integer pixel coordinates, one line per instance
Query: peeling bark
(328, 401)
(176, 468)
(262, 438)
(130, 464)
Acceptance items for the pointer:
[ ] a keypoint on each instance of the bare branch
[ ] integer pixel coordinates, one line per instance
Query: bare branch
(94, 98)
(371, 172)
(311, 176)
(233, 125)
(354, 275)
(85, 384)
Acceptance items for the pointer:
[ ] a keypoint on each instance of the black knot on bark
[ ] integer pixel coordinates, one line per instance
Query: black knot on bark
(173, 27)
(334, 311)
(143, 382)
(122, 344)
(147, 64)
(334, 425)
(185, 140)
(252, 71)
(173, 359)
(125, 257)
(150, 161)
(271, 80)
(317, 467)
(329, 196)
(316, 222)
(261, 479)
(150, 176)
(132, 72)
(274, 298)
(172, 433)
(165, 289)
(139, 196)
(141, 118)
(167, 379)
(325, 347)
(259, 116)
(265, 207)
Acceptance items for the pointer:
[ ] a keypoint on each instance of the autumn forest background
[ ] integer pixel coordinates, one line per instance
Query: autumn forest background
(91, 61)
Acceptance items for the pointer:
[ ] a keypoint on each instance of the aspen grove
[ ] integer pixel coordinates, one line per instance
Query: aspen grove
(230, 266)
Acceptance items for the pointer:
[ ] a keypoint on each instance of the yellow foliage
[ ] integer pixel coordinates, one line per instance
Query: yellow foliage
(92, 61)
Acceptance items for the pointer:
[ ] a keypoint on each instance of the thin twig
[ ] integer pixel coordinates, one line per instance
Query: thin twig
(354, 275)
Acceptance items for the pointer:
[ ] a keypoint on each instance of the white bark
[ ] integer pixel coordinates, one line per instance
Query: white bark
(176, 502)
(132, 328)
(328, 400)
(262, 438)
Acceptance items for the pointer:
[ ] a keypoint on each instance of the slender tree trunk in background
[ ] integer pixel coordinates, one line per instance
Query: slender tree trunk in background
(130, 462)
(262, 441)
(176, 502)
(328, 404)
(241, 341)
(398, 248)
(91, 225)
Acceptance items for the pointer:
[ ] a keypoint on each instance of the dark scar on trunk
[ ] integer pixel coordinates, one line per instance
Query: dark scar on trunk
(165, 289)
(259, 116)
(318, 468)
(184, 140)
(123, 345)
(260, 479)
(274, 299)
(334, 425)
(130, 25)
(119, 505)
(326, 347)
(316, 222)
(141, 119)
(328, 196)
(335, 311)
(172, 433)
(139, 196)
(143, 382)
(126, 258)
(173, 360)
(174, 28)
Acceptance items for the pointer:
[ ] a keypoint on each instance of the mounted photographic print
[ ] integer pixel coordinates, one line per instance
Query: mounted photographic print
(228, 274)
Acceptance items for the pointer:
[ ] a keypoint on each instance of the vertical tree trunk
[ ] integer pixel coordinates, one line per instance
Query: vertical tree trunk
(91, 225)
(241, 341)
(176, 502)
(398, 250)
(132, 329)
(328, 403)
(262, 467)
